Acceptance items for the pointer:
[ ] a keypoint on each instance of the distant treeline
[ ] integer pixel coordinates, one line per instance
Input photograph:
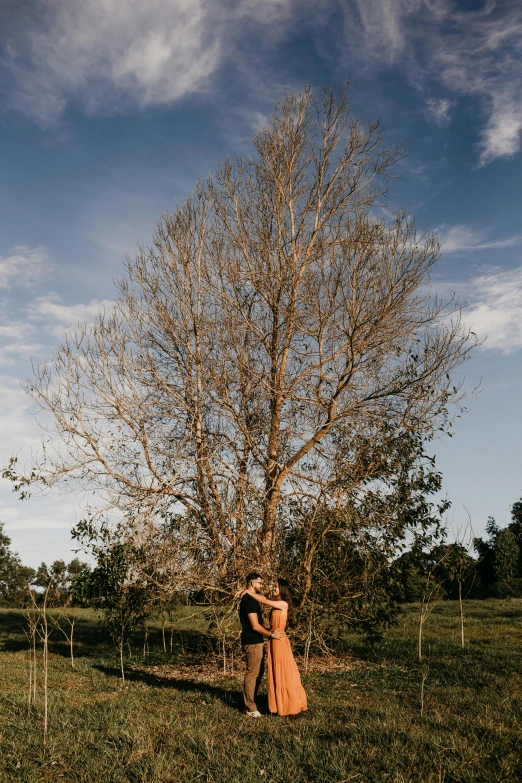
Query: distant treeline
(493, 570)
(17, 581)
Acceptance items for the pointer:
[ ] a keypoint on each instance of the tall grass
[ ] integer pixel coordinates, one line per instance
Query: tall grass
(179, 718)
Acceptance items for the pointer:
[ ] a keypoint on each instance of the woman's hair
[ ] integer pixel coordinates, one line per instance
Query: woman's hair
(285, 591)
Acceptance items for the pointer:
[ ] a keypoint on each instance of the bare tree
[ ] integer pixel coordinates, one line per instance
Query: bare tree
(257, 348)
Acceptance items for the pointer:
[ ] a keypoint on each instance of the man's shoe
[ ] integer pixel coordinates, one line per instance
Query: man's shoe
(255, 714)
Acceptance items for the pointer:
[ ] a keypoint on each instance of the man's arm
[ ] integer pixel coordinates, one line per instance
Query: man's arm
(258, 628)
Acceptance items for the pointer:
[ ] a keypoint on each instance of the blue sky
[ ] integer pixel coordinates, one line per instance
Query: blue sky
(110, 109)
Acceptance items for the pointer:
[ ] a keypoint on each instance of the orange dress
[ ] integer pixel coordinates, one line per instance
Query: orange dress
(286, 695)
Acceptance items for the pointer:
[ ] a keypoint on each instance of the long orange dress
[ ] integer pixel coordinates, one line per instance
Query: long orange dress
(286, 695)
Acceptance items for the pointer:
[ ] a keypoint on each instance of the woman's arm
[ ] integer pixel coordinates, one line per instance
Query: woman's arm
(262, 599)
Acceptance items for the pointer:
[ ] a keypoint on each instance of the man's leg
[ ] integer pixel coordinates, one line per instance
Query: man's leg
(254, 665)
(261, 670)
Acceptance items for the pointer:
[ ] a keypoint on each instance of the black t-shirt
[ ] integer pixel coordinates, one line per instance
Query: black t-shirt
(249, 605)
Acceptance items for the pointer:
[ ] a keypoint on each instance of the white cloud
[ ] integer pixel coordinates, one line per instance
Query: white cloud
(24, 267)
(459, 239)
(17, 426)
(102, 51)
(501, 136)
(106, 54)
(19, 340)
(57, 318)
(47, 320)
(495, 309)
(13, 331)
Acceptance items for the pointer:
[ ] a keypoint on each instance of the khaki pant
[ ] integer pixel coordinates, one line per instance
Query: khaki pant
(255, 667)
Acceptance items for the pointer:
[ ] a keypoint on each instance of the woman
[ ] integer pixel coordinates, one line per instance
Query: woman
(286, 695)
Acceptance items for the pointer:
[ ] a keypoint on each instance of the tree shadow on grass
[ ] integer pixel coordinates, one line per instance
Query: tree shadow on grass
(232, 698)
(89, 635)
(91, 639)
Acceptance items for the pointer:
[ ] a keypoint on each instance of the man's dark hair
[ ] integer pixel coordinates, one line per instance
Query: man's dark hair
(252, 577)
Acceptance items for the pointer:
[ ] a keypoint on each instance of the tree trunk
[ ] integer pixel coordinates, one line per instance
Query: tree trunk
(421, 623)
(122, 669)
(45, 668)
(268, 540)
(71, 644)
(35, 666)
(461, 611)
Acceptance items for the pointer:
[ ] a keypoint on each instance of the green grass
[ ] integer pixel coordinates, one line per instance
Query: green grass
(179, 718)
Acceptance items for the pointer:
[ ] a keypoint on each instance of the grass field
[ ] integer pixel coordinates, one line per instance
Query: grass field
(178, 718)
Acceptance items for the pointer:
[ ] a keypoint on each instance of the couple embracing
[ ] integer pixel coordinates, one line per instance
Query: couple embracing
(286, 695)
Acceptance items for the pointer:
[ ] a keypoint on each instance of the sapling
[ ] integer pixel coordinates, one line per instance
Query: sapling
(431, 593)
(462, 565)
(68, 615)
(44, 634)
(39, 629)
(31, 617)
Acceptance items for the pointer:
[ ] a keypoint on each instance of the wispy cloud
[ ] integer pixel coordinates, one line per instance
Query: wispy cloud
(31, 332)
(477, 51)
(439, 110)
(480, 53)
(105, 54)
(57, 318)
(18, 428)
(460, 239)
(495, 309)
(23, 267)
(384, 25)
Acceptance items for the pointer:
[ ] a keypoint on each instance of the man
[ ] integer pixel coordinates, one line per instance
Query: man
(253, 635)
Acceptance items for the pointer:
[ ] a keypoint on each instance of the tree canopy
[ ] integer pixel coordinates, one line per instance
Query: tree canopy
(270, 351)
